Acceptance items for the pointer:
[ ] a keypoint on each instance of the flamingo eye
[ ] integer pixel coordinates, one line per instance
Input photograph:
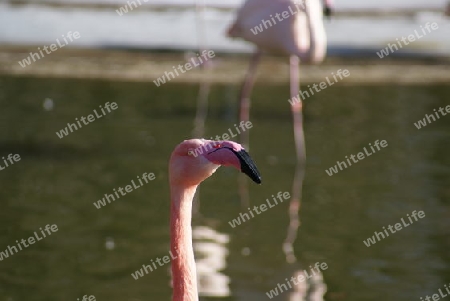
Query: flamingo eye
(218, 146)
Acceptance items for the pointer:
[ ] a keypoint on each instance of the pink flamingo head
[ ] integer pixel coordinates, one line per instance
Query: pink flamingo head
(195, 160)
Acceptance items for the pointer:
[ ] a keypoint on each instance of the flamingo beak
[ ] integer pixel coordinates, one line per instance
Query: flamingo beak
(236, 157)
(248, 166)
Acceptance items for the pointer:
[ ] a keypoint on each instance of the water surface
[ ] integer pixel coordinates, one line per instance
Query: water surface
(96, 250)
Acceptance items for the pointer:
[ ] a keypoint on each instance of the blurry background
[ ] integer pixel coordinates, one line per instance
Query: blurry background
(117, 58)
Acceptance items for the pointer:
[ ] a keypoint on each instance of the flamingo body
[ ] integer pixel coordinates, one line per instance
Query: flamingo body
(301, 33)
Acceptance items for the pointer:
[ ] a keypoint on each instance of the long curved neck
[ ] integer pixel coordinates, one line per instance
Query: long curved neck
(183, 266)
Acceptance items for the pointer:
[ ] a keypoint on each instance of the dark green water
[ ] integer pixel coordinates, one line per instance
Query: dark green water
(95, 251)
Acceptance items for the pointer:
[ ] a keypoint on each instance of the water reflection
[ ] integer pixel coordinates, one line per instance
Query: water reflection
(294, 214)
(313, 288)
(211, 251)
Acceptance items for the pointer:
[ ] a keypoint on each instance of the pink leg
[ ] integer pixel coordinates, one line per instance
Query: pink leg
(297, 110)
(297, 184)
(249, 81)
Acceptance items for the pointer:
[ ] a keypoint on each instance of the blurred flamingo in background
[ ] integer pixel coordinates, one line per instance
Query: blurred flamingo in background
(288, 27)
(301, 35)
(187, 169)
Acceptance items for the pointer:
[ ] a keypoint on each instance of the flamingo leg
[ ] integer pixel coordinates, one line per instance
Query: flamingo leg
(297, 110)
(247, 87)
(297, 184)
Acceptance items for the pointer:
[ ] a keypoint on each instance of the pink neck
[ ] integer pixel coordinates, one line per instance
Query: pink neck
(183, 266)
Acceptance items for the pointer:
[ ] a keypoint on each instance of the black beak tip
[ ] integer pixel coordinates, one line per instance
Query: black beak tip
(248, 166)
(254, 176)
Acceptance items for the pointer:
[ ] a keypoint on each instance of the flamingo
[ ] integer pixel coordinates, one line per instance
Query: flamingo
(300, 34)
(191, 163)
